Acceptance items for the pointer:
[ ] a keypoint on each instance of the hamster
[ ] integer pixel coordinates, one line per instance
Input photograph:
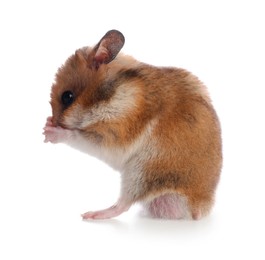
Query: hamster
(155, 125)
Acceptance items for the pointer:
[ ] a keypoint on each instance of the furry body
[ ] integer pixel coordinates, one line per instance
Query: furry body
(155, 125)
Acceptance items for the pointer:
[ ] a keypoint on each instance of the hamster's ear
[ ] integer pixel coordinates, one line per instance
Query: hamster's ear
(108, 47)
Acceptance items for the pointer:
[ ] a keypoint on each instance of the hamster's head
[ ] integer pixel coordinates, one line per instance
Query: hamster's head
(79, 82)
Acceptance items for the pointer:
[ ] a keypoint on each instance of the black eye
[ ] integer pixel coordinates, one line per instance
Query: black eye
(67, 98)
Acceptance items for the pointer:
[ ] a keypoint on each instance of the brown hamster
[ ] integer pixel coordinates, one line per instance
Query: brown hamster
(156, 125)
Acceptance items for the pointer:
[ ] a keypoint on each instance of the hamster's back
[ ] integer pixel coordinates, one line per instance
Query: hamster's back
(183, 152)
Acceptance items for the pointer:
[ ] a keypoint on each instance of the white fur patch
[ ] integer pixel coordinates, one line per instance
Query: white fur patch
(127, 160)
(120, 105)
(119, 157)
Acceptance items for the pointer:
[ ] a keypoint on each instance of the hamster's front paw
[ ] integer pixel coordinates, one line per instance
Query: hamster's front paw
(55, 134)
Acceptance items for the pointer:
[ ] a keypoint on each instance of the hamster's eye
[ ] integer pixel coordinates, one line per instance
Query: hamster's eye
(67, 98)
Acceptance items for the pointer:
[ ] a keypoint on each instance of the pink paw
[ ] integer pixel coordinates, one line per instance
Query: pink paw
(54, 134)
(111, 212)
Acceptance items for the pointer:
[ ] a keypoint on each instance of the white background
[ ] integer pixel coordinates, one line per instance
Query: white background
(44, 188)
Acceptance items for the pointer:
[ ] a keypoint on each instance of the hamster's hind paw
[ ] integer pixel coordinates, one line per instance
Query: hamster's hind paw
(111, 212)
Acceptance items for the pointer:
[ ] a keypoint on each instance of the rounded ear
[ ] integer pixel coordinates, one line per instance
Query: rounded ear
(108, 47)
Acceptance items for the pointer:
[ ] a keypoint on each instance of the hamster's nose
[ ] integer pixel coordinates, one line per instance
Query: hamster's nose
(54, 121)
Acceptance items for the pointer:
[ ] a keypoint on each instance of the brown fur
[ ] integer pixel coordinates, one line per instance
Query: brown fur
(182, 154)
